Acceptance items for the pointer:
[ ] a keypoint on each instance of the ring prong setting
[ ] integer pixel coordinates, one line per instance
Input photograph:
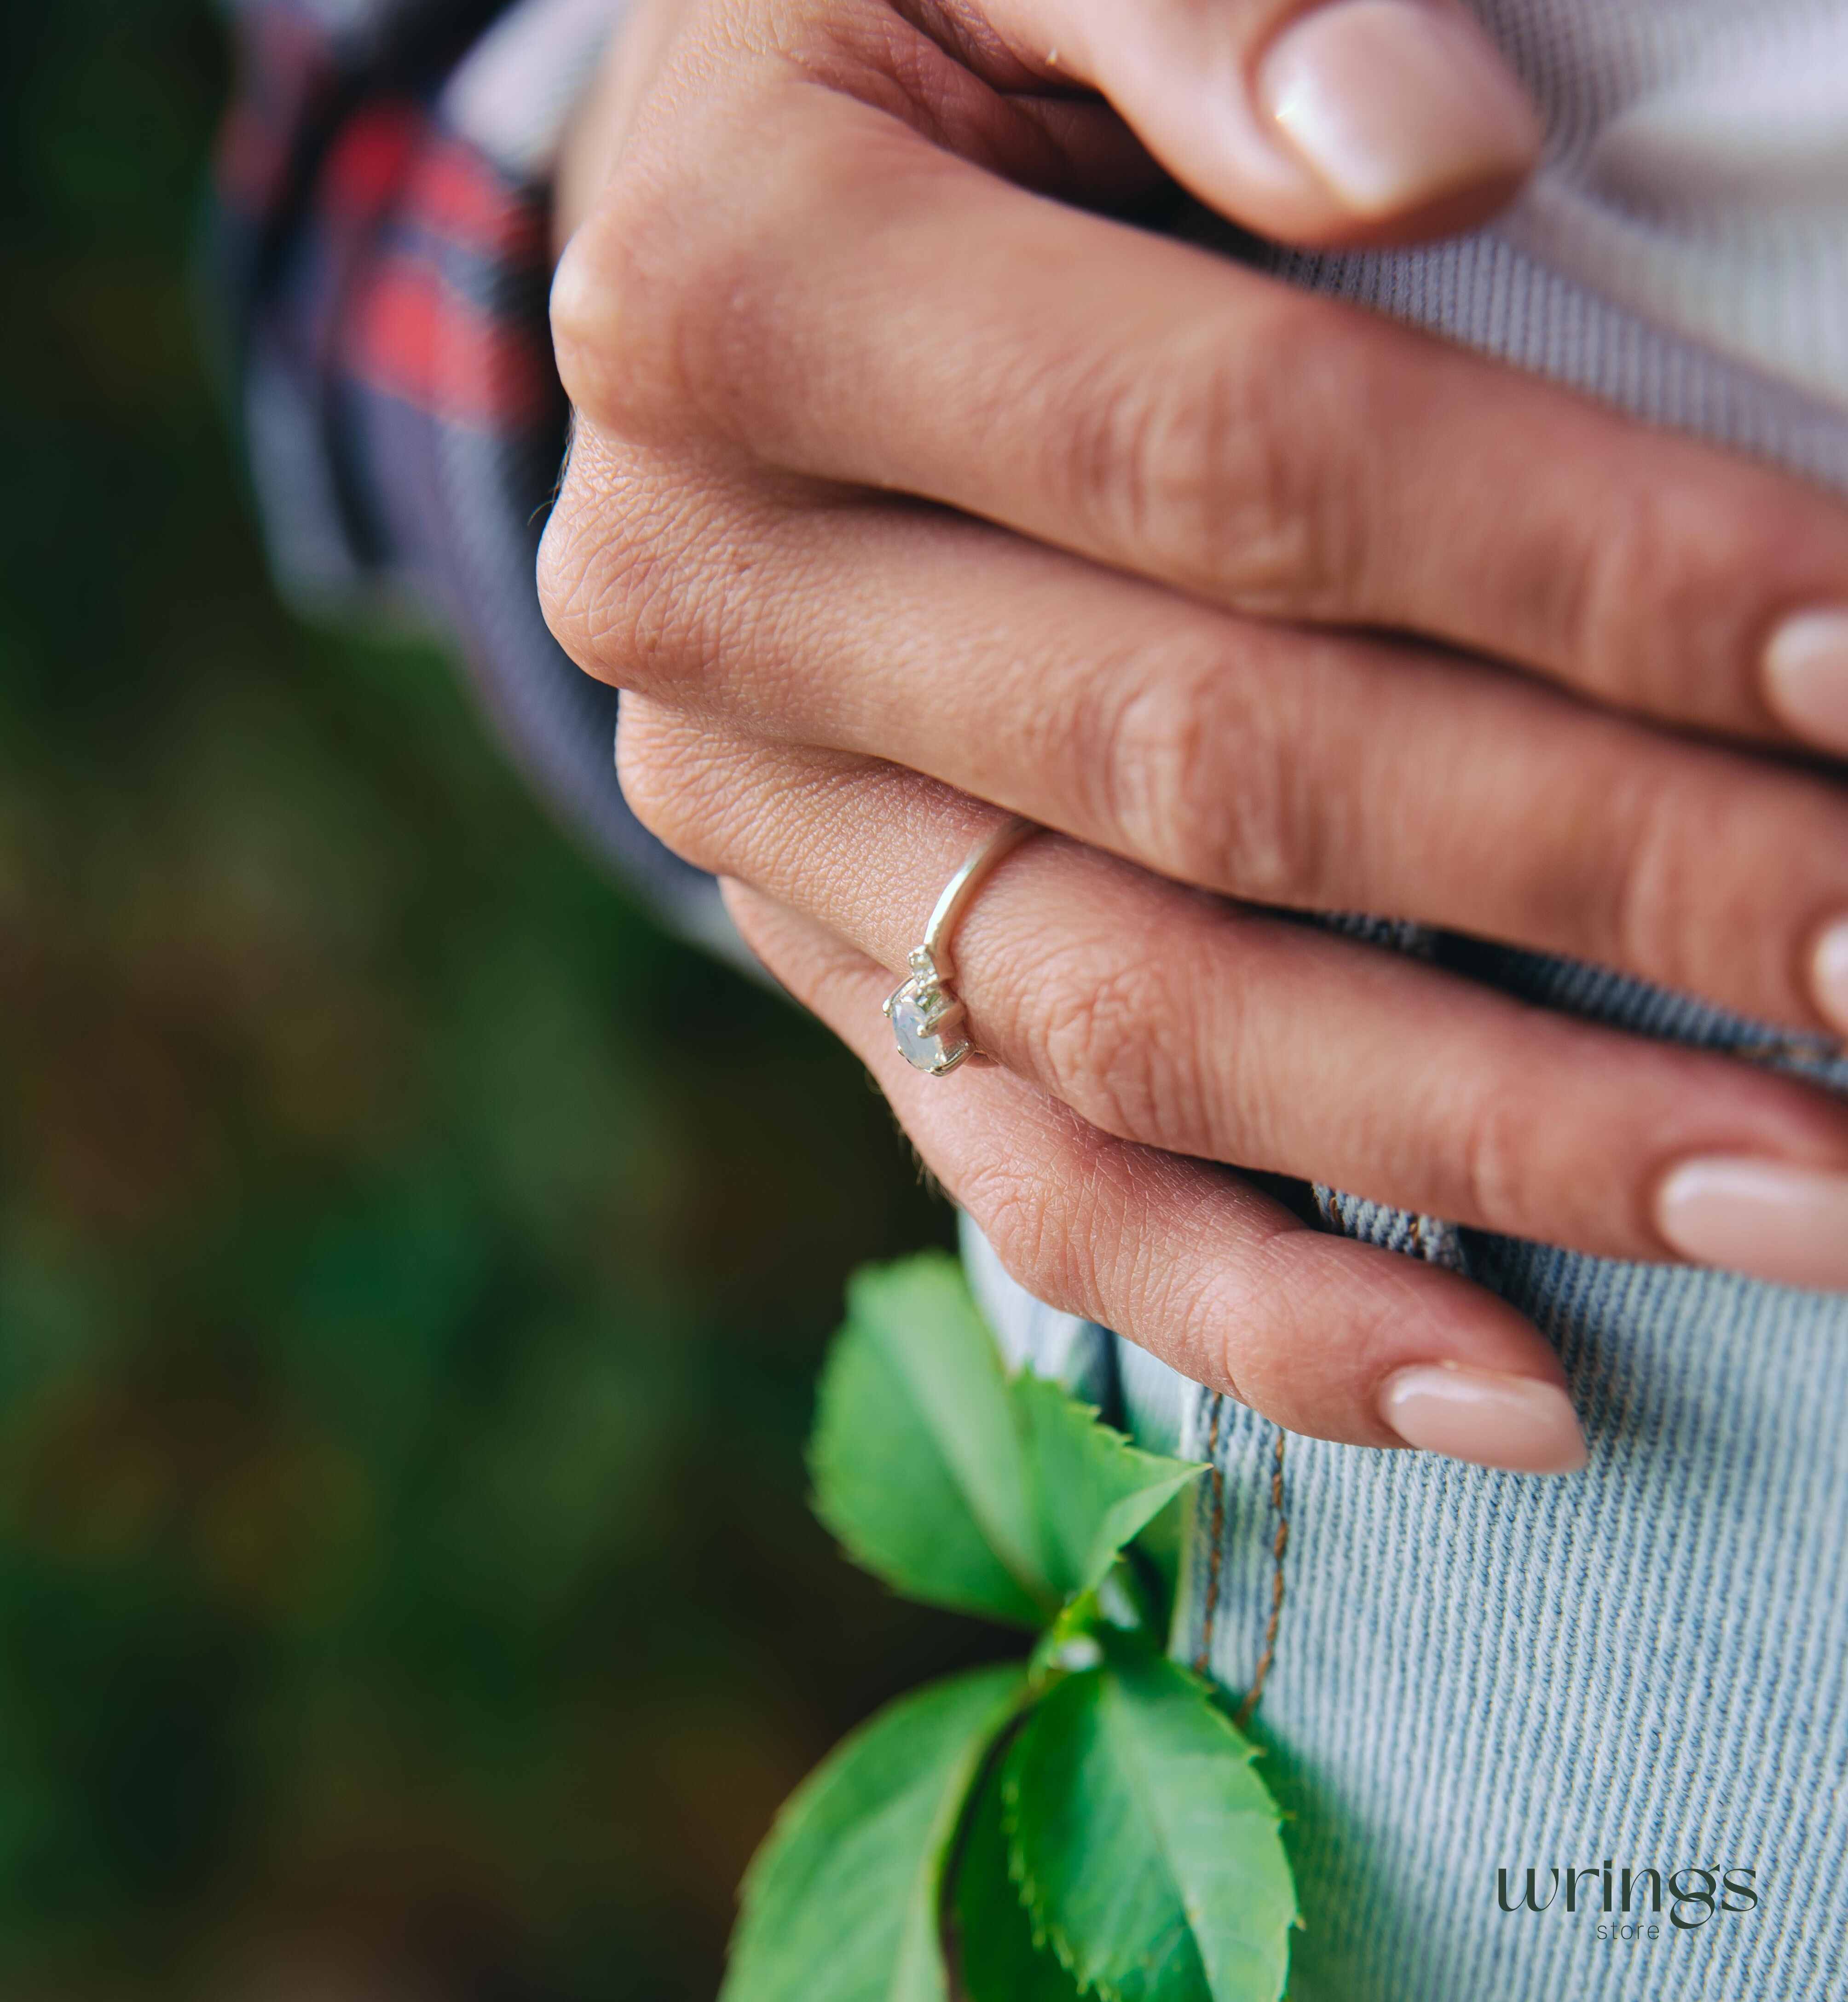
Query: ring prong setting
(926, 1015)
(925, 1021)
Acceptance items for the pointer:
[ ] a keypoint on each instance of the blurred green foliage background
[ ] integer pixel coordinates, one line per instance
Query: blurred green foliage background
(412, 1267)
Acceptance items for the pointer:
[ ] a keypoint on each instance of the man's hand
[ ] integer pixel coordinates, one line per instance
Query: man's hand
(907, 487)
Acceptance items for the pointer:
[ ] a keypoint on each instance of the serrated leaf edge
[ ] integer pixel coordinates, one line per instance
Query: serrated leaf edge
(795, 1808)
(1045, 1933)
(858, 1553)
(1214, 1698)
(1181, 1473)
(1095, 1414)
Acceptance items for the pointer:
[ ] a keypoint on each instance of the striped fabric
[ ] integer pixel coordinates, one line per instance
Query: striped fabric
(383, 241)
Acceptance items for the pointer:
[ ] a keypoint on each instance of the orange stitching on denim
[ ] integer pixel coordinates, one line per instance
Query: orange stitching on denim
(1262, 1675)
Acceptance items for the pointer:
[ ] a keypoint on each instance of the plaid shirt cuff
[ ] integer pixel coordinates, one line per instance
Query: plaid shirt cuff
(383, 246)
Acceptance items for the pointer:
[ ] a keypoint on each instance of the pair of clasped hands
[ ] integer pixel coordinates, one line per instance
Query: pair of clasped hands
(912, 484)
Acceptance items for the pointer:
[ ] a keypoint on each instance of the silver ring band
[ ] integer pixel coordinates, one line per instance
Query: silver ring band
(926, 1017)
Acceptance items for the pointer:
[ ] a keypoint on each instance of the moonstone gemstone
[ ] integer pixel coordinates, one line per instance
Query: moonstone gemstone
(922, 1049)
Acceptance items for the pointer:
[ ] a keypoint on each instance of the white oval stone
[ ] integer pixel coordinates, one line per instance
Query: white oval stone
(920, 1048)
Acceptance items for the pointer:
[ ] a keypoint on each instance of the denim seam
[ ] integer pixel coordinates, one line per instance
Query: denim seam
(1280, 1545)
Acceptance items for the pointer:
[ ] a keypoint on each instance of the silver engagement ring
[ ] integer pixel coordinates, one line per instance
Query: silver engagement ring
(926, 1017)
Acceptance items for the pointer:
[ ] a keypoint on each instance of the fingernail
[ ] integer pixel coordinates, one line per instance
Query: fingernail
(1785, 1224)
(1828, 974)
(1806, 677)
(1391, 105)
(1513, 1422)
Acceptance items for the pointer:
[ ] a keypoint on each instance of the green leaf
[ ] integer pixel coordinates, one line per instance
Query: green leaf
(998, 1957)
(843, 1901)
(955, 1485)
(1145, 1846)
(1093, 1490)
(1155, 1560)
(917, 1457)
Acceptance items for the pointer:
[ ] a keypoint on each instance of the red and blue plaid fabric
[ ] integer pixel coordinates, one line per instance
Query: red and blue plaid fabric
(387, 279)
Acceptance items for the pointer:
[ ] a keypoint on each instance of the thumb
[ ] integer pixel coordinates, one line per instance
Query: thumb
(1351, 121)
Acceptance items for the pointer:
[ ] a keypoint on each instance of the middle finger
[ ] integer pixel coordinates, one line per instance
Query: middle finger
(1314, 770)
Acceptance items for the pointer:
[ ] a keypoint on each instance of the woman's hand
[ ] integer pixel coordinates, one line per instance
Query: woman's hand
(904, 483)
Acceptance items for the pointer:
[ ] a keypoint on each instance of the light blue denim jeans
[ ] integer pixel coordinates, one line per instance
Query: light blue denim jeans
(1465, 1675)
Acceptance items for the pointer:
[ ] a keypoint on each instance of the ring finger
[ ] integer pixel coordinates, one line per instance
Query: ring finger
(1171, 1018)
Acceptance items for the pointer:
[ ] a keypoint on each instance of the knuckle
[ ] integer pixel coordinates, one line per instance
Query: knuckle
(568, 559)
(1287, 1305)
(670, 306)
(1495, 1156)
(1094, 1236)
(1642, 601)
(1196, 454)
(605, 295)
(754, 918)
(1115, 1039)
(1655, 879)
(625, 575)
(1009, 1207)
(1044, 1225)
(604, 590)
(667, 785)
(1591, 582)
(1201, 778)
(1166, 775)
(646, 304)
(646, 769)
(1689, 906)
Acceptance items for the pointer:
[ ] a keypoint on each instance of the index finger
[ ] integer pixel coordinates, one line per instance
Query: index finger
(873, 309)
